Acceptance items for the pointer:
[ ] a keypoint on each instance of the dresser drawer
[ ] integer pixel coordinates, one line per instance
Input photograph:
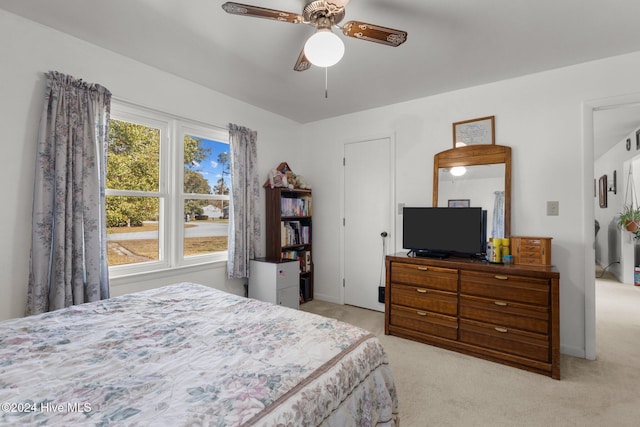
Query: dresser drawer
(530, 258)
(507, 314)
(505, 287)
(445, 279)
(424, 321)
(425, 299)
(506, 340)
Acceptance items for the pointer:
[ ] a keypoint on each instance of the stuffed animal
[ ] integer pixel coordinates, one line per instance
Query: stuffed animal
(277, 179)
(301, 183)
(291, 179)
(284, 177)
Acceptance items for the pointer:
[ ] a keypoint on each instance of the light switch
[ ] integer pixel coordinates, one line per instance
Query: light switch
(553, 208)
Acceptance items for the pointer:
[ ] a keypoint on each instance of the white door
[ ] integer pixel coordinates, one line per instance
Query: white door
(368, 183)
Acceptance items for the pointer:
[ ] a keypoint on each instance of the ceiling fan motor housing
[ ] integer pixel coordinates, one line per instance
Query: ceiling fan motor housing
(323, 14)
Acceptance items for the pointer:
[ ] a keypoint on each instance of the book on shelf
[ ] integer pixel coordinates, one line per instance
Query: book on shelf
(288, 233)
(305, 234)
(303, 257)
(307, 260)
(295, 206)
(294, 233)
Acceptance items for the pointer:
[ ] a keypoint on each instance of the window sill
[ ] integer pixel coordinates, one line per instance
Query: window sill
(121, 279)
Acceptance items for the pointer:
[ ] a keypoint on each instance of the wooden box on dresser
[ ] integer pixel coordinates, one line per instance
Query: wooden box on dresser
(504, 313)
(531, 250)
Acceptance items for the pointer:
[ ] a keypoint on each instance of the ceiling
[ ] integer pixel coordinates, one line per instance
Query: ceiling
(612, 125)
(450, 45)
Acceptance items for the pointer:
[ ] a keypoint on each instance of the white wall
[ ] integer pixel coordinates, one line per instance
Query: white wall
(540, 116)
(29, 50)
(607, 244)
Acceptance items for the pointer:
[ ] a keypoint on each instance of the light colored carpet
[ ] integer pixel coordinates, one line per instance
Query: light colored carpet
(438, 387)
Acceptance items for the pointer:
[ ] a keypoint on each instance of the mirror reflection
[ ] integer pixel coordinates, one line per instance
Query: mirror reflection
(482, 185)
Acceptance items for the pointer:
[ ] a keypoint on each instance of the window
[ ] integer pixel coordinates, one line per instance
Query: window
(167, 197)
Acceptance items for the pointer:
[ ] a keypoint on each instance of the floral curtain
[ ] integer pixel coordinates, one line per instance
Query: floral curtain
(244, 223)
(498, 214)
(68, 245)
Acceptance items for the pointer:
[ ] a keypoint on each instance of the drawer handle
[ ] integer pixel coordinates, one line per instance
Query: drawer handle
(421, 313)
(422, 291)
(423, 268)
(500, 303)
(501, 277)
(502, 330)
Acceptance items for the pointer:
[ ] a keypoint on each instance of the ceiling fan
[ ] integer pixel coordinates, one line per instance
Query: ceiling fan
(323, 48)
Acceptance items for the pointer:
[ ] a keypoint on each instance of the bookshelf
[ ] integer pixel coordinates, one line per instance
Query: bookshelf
(289, 231)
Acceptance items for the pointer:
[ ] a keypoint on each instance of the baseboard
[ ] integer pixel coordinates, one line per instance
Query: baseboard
(573, 351)
(324, 297)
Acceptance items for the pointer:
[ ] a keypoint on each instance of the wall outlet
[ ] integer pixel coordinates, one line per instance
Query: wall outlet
(553, 208)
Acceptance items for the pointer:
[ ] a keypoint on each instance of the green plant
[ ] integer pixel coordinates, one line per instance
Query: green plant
(629, 219)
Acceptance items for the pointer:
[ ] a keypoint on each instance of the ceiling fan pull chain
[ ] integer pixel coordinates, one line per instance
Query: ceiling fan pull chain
(326, 90)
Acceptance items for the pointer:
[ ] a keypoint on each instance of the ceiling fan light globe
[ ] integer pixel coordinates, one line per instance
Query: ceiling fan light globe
(458, 170)
(324, 48)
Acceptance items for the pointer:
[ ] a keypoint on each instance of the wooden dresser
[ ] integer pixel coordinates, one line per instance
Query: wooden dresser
(504, 313)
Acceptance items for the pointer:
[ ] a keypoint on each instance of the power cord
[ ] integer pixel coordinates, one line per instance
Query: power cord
(382, 267)
(605, 269)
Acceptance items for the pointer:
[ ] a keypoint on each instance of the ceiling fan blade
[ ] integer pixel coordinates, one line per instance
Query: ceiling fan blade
(302, 64)
(374, 33)
(261, 12)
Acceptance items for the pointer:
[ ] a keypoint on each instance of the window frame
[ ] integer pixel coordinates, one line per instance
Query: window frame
(171, 188)
(194, 129)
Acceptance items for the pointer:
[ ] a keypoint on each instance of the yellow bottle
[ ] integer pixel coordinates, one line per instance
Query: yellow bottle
(497, 250)
(505, 247)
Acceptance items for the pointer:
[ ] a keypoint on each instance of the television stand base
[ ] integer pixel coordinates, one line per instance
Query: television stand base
(431, 254)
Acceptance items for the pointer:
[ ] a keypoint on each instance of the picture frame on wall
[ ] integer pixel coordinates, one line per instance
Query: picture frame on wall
(602, 191)
(459, 203)
(474, 131)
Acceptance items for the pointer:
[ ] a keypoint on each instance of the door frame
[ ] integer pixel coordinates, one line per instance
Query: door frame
(391, 246)
(588, 109)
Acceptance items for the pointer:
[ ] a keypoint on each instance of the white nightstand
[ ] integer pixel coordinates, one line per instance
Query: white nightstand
(275, 281)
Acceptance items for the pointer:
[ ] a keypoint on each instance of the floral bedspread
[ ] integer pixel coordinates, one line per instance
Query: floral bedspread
(187, 354)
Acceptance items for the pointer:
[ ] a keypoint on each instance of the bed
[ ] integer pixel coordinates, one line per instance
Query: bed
(187, 354)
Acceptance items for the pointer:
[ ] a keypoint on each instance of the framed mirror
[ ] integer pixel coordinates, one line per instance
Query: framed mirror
(480, 174)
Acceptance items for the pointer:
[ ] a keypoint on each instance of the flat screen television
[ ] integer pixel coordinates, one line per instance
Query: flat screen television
(440, 232)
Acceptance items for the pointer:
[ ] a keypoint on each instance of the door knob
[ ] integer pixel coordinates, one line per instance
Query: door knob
(384, 234)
